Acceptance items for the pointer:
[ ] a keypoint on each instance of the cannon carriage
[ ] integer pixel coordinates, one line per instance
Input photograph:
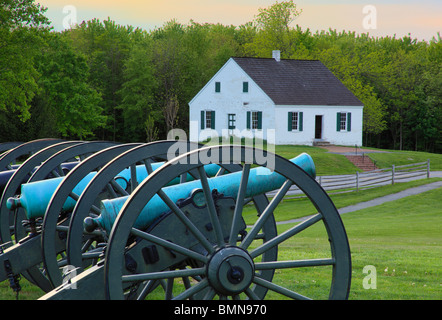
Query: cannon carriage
(199, 241)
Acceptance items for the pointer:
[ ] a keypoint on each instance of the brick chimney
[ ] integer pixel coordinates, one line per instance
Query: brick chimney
(276, 55)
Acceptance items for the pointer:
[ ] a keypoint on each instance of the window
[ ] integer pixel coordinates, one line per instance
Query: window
(245, 87)
(343, 121)
(295, 121)
(207, 119)
(217, 86)
(254, 120)
(232, 120)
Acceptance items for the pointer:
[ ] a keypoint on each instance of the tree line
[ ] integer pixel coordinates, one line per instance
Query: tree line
(102, 80)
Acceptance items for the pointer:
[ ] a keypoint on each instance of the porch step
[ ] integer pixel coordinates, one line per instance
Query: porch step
(320, 143)
(362, 162)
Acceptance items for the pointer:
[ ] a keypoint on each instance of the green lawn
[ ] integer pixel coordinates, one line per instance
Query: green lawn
(297, 207)
(330, 164)
(325, 163)
(401, 240)
(385, 160)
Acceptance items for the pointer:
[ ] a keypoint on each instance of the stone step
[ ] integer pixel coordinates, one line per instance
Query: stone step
(362, 162)
(320, 143)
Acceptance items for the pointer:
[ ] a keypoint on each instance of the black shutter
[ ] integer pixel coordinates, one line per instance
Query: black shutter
(289, 121)
(338, 121)
(300, 120)
(212, 122)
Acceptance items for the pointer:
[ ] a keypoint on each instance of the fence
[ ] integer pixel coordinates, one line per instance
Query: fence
(377, 177)
(370, 179)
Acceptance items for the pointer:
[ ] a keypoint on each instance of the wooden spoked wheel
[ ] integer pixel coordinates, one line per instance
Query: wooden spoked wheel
(201, 248)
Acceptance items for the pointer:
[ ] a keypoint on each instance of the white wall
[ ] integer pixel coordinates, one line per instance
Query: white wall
(231, 99)
(329, 132)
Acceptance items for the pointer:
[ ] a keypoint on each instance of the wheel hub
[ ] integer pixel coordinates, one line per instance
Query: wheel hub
(230, 270)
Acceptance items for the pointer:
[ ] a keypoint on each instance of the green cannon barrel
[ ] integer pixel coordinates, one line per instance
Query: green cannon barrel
(261, 180)
(35, 196)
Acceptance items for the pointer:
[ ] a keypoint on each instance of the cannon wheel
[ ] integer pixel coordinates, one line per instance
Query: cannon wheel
(230, 268)
(6, 147)
(21, 150)
(54, 226)
(76, 250)
(21, 175)
(52, 166)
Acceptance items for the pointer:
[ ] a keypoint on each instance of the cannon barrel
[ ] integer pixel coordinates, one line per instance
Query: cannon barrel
(261, 180)
(35, 196)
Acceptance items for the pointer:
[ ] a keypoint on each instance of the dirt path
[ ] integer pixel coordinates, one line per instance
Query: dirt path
(348, 150)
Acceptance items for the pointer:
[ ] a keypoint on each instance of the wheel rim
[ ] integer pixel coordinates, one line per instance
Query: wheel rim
(51, 165)
(103, 153)
(123, 229)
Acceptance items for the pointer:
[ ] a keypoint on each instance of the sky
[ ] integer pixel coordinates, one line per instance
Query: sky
(422, 19)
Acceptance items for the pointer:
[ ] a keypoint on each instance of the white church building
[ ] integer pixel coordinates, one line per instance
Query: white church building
(283, 101)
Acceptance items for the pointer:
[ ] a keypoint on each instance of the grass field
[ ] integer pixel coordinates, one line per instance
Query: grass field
(385, 160)
(325, 163)
(402, 240)
(330, 164)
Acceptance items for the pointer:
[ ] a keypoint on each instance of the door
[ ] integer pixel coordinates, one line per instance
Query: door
(318, 127)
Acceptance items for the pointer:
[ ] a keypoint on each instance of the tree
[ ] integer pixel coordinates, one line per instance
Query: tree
(171, 60)
(69, 106)
(22, 25)
(426, 120)
(137, 92)
(170, 111)
(106, 46)
(274, 31)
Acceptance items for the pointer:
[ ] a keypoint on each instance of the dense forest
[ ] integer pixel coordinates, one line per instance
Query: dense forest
(102, 80)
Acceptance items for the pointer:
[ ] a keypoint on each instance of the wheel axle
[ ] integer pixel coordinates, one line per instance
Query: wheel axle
(230, 270)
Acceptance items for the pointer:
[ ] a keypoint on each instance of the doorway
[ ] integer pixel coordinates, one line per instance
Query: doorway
(318, 127)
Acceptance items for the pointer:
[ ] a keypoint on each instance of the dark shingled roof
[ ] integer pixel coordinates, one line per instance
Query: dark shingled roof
(298, 82)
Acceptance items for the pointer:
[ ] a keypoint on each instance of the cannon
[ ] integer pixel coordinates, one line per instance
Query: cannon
(201, 242)
(203, 239)
(50, 160)
(37, 193)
